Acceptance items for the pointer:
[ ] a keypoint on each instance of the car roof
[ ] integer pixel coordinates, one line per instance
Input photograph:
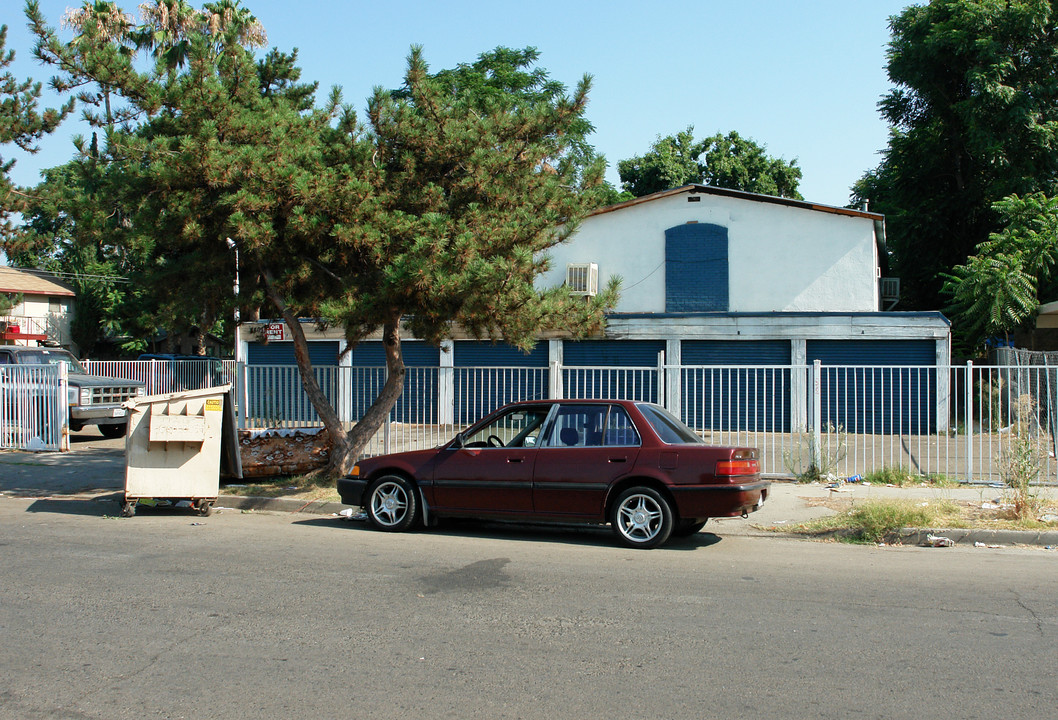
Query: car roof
(572, 401)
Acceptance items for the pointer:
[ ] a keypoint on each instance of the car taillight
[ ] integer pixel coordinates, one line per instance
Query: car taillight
(737, 467)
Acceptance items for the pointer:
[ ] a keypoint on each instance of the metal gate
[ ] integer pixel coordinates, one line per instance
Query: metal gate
(33, 409)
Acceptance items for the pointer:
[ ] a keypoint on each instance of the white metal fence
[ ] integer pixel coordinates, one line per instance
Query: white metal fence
(955, 421)
(32, 406)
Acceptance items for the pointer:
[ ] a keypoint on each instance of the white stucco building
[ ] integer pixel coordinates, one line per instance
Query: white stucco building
(709, 277)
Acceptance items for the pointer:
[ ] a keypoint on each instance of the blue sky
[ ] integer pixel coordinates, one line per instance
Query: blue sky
(803, 79)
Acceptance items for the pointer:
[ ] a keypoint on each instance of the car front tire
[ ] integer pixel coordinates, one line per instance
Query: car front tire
(641, 518)
(392, 504)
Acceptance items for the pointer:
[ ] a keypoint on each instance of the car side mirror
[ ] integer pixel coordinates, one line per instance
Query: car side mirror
(459, 441)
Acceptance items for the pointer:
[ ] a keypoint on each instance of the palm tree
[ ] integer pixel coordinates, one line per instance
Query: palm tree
(167, 26)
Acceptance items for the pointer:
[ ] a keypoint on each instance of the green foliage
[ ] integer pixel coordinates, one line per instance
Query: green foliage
(999, 289)
(438, 213)
(470, 191)
(21, 123)
(874, 521)
(974, 119)
(1022, 459)
(727, 161)
(901, 476)
(9, 301)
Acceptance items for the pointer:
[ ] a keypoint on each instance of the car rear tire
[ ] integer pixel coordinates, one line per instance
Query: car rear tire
(687, 528)
(392, 504)
(114, 430)
(641, 518)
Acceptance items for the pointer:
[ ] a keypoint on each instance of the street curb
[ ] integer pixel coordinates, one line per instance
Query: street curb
(920, 536)
(288, 505)
(962, 536)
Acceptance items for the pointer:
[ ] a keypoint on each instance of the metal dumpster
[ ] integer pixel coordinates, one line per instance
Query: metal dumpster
(173, 448)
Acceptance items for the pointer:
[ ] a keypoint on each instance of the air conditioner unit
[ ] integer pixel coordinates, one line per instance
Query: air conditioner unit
(583, 279)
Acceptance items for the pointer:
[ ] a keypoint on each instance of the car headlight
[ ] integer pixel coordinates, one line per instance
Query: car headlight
(86, 396)
(73, 396)
(141, 391)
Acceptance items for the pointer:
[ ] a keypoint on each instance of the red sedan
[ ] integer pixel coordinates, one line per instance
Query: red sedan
(627, 463)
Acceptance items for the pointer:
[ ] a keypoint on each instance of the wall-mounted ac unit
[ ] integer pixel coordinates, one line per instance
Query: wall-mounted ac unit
(583, 278)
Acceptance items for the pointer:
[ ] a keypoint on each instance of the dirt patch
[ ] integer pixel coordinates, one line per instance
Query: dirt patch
(267, 453)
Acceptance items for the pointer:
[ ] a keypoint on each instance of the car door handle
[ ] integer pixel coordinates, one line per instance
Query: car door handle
(514, 459)
(616, 460)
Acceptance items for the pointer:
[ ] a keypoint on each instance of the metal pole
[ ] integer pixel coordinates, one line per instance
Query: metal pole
(969, 420)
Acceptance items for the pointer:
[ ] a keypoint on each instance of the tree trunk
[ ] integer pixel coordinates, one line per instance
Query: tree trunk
(319, 401)
(368, 425)
(346, 446)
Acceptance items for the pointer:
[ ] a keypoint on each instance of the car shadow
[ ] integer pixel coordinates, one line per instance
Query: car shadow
(582, 535)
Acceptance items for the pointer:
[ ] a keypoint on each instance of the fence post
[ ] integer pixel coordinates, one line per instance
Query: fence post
(969, 421)
(242, 395)
(555, 381)
(62, 417)
(446, 387)
(662, 398)
(674, 377)
(816, 421)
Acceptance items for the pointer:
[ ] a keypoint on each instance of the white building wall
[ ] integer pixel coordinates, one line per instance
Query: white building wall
(781, 258)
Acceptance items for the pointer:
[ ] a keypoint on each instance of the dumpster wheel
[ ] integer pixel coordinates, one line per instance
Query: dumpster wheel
(128, 509)
(205, 507)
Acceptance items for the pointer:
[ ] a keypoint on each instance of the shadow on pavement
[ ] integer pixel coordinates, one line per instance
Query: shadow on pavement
(583, 535)
(100, 506)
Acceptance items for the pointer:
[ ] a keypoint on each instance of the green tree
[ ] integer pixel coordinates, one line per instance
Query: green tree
(998, 289)
(727, 161)
(21, 123)
(974, 119)
(438, 213)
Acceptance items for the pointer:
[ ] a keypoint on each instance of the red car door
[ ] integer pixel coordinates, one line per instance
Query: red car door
(492, 471)
(490, 479)
(587, 448)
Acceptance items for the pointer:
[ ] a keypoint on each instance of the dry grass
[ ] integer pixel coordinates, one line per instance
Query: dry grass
(874, 520)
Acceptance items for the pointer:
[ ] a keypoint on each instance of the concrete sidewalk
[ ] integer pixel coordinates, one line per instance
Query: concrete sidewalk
(96, 467)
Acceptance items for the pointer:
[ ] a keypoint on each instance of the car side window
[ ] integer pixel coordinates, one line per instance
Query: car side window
(5, 359)
(620, 432)
(518, 428)
(577, 426)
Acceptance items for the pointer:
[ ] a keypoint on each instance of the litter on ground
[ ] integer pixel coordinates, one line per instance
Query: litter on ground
(939, 541)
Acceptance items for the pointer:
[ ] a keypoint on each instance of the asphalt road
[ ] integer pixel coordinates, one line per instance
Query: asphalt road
(241, 615)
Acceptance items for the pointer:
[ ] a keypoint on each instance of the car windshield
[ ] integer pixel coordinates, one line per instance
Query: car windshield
(51, 357)
(669, 428)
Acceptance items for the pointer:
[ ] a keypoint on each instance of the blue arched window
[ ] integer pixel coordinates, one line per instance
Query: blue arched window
(696, 277)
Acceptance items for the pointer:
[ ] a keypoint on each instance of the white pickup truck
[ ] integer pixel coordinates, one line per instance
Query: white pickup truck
(92, 399)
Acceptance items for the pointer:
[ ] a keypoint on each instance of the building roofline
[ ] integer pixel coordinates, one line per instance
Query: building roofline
(740, 195)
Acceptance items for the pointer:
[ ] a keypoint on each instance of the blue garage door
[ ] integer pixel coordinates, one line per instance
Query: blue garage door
(276, 396)
(488, 375)
(418, 402)
(614, 369)
(753, 399)
(878, 386)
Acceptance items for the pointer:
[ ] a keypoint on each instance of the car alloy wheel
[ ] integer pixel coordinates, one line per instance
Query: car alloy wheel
(642, 518)
(392, 504)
